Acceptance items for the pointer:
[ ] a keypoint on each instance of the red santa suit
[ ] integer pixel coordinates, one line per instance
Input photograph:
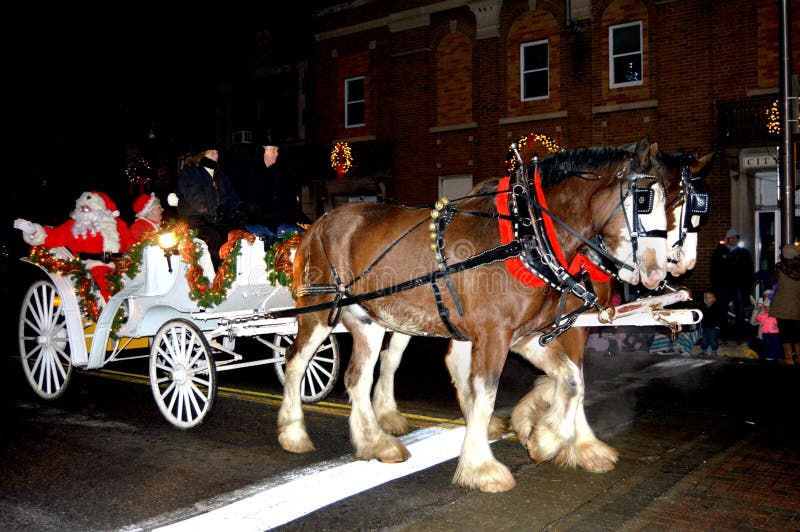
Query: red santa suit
(94, 232)
(144, 207)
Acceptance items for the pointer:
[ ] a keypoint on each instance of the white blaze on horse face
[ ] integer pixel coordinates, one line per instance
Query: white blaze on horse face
(650, 267)
(682, 258)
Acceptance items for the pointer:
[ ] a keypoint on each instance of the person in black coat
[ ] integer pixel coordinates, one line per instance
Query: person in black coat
(207, 200)
(732, 282)
(273, 198)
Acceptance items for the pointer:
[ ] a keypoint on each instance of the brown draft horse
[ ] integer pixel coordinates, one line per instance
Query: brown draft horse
(358, 248)
(683, 177)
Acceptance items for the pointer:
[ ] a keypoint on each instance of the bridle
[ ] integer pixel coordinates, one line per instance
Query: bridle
(692, 203)
(539, 256)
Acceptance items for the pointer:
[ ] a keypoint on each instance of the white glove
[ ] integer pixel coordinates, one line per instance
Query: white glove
(172, 199)
(25, 226)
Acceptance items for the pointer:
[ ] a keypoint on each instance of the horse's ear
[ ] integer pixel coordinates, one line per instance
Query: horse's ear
(642, 154)
(701, 165)
(654, 149)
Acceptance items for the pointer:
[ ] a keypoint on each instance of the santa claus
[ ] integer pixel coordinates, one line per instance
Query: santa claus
(94, 232)
(148, 211)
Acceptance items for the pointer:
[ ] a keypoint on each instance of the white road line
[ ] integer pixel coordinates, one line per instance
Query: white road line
(298, 493)
(308, 491)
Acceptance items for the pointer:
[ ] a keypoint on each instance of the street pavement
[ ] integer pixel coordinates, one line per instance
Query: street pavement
(720, 450)
(704, 445)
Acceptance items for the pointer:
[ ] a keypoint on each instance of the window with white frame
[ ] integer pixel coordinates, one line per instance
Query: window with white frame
(534, 69)
(354, 102)
(625, 54)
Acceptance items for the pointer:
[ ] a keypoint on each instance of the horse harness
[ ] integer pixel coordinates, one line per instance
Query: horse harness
(533, 244)
(692, 203)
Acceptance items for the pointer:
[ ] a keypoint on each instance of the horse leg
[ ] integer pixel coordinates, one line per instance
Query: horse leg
(550, 420)
(383, 402)
(545, 418)
(458, 361)
(368, 439)
(477, 466)
(292, 434)
(587, 451)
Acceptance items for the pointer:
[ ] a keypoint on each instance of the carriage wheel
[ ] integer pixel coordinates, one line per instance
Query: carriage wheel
(322, 370)
(183, 376)
(43, 342)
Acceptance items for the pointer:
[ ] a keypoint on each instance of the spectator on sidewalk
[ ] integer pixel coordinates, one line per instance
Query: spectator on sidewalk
(732, 280)
(767, 327)
(713, 318)
(785, 306)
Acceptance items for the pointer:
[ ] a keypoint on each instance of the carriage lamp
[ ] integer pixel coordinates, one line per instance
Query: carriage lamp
(169, 243)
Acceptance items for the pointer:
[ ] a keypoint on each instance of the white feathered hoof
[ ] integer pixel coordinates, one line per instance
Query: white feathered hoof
(387, 449)
(394, 423)
(490, 476)
(593, 456)
(295, 439)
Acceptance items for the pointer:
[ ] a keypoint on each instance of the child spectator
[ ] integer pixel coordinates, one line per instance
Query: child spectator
(768, 327)
(713, 317)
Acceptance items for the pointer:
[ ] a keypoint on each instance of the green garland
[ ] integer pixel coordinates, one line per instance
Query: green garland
(203, 291)
(277, 259)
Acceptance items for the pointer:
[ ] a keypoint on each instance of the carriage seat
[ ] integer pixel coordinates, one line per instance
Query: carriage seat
(250, 267)
(158, 278)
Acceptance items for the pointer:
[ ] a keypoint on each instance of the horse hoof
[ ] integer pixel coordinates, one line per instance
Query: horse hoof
(598, 457)
(295, 440)
(388, 450)
(295, 446)
(594, 456)
(491, 477)
(394, 423)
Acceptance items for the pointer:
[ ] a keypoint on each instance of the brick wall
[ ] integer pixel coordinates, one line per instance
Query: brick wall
(696, 53)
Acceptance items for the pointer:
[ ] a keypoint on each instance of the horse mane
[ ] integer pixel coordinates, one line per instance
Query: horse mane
(559, 166)
(556, 167)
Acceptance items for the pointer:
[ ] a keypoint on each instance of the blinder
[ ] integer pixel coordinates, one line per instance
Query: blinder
(699, 204)
(695, 203)
(645, 198)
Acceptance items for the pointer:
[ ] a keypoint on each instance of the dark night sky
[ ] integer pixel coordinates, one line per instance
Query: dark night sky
(80, 86)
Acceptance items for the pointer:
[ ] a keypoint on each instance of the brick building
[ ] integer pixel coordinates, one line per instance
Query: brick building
(429, 95)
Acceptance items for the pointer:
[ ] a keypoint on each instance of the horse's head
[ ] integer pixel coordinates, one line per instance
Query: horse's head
(642, 224)
(683, 176)
(625, 206)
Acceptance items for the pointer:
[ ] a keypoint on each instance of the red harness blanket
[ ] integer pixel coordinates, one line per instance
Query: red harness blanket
(515, 266)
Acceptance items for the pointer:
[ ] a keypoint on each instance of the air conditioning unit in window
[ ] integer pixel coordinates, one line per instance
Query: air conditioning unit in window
(242, 137)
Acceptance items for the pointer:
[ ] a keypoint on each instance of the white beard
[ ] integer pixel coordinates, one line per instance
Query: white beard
(92, 222)
(85, 222)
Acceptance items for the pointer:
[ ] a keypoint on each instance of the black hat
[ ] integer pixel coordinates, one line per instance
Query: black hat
(202, 143)
(267, 139)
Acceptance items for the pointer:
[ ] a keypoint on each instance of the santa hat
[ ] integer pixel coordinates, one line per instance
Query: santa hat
(144, 204)
(99, 201)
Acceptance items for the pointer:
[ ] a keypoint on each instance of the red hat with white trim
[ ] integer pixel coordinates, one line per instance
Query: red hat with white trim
(144, 204)
(107, 202)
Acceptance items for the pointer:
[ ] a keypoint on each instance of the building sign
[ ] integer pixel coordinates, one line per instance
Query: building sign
(760, 158)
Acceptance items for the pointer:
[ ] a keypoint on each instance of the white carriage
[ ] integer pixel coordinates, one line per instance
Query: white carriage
(188, 345)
